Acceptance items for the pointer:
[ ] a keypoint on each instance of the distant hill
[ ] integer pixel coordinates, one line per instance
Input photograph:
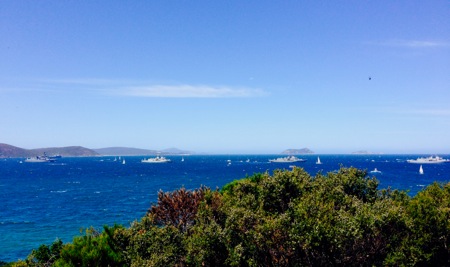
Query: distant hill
(293, 151)
(68, 151)
(129, 151)
(176, 151)
(9, 151)
(124, 151)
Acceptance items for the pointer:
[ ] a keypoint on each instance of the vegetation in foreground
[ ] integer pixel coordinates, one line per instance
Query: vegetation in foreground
(286, 219)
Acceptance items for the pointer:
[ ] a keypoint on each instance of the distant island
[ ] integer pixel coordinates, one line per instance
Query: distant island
(9, 151)
(292, 151)
(129, 151)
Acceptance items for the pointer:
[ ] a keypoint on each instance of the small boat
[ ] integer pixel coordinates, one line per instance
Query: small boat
(182, 159)
(429, 160)
(421, 169)
(56, 156)
(157, 159)
(36, 159)
(318, 161)
(123, 162)
(287, 159)
(375, 171)
(40, 159)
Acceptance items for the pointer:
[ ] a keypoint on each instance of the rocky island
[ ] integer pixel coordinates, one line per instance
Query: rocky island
(9, 151)
(293, 151)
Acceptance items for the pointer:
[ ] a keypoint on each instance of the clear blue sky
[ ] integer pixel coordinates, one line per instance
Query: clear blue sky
(227, 76)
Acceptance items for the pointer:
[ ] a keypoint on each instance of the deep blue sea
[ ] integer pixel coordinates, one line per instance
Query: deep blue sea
(44, 201)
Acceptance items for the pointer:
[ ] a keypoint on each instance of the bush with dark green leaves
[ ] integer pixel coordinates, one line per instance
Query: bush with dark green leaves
(288, 218)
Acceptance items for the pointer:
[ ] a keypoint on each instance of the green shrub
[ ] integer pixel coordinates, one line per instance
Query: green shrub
(285, 219)
(92, 249)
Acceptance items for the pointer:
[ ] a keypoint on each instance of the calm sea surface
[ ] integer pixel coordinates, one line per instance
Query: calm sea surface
(44, 201)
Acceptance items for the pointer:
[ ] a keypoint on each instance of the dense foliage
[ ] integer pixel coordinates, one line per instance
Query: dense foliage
(288, 218)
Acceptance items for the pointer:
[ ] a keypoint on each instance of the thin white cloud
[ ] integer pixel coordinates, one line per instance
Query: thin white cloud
(412, 43)
(134, 89)
(190, 91)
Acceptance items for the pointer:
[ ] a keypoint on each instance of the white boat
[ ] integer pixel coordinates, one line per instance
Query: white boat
(375, 171)
(182, 159)
(428, 160)
(123, 162)
(287, 159)
(318, 161)
(36, 159)
(157, 159)
(421, 169)
(39, 159)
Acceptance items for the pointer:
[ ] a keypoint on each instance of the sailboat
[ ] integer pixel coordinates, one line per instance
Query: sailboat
(182, 159)
(375, 171)
(421, 169)
(123, 162)
(318, 161)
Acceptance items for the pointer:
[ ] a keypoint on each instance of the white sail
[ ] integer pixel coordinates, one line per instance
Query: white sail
(421, 169)
(318, 161)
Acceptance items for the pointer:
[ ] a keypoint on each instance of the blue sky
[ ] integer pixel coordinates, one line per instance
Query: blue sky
(227, 76)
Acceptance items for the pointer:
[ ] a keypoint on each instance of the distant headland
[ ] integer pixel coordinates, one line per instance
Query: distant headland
(293, 151)
(9, 151)
(129, 151)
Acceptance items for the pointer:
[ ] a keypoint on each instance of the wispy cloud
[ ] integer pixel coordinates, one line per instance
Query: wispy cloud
(134, 89)
(411, 43)
(190, 91)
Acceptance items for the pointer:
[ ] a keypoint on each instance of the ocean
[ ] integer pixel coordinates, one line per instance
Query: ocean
(44, 201)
